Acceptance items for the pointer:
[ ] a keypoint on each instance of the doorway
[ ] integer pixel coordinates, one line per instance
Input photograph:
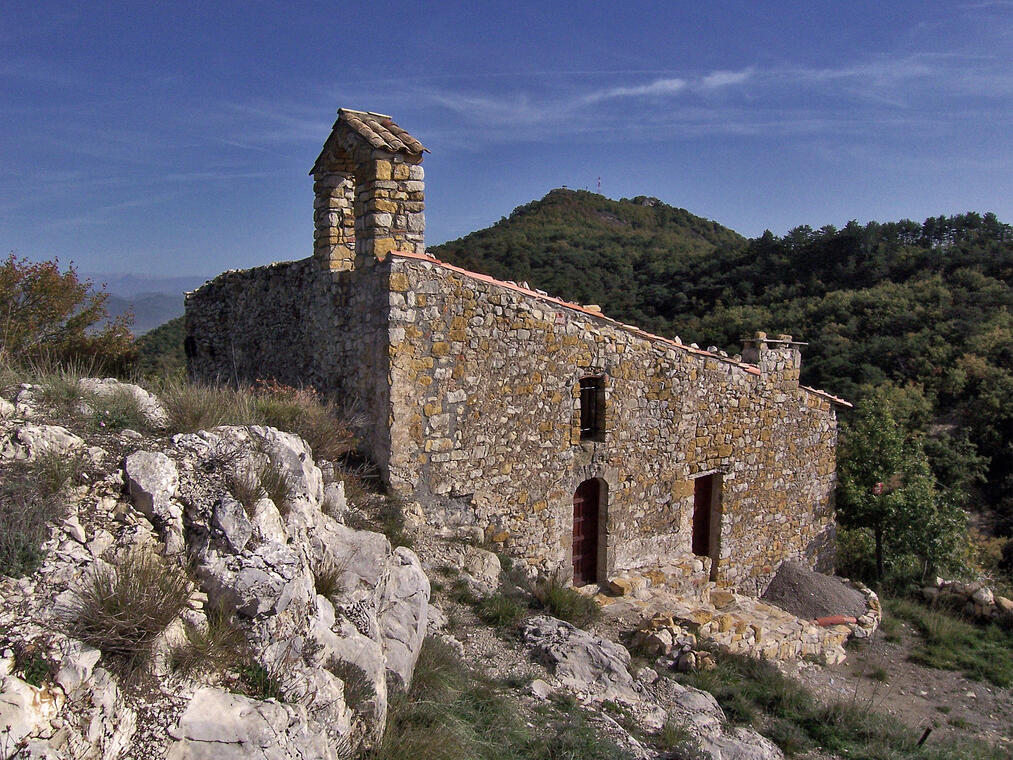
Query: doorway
(588, 500)
(707, 519)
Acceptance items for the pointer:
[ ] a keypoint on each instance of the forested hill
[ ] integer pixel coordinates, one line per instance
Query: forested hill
(627, 256)
(917, 312)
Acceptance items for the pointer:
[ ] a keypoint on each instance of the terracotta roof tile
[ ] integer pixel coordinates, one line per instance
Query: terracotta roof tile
(380, 131)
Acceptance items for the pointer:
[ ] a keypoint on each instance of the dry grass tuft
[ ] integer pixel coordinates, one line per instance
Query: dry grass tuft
(122, 609)
(220, 646)
(200, 406)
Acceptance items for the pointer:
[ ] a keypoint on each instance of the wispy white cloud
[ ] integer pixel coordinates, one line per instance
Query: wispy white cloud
(879, 93)
(659, 87)
(725, 78)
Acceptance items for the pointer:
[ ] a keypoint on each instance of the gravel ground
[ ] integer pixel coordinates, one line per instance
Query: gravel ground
(808, 594)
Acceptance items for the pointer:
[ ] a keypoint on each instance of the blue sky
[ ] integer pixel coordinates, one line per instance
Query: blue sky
(175, 138)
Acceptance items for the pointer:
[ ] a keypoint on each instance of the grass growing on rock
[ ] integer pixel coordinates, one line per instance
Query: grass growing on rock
(32, 498)
(567, 603)
(981, 653)
(200, 406)
(117, 410)
(500, 610)
(304, 412)
(219, 646)
(451, 713)
(259, 682)
(275, 484)
(122, 609)
(754, 692)
(245, 488)
(358, 688)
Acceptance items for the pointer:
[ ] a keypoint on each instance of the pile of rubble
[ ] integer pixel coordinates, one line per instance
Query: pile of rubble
(673, 624)
(975, 600)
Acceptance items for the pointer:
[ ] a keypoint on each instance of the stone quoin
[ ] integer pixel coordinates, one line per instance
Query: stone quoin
(584, 447)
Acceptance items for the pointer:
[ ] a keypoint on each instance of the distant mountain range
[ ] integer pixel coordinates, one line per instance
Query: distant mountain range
(153, 300)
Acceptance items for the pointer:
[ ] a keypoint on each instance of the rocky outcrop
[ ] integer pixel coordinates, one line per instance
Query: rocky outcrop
(260, 557)
(222, 726)
(973, 599)
(596, 669)
(147, 403)
(153, 481)
(582, 662)
(29, 442)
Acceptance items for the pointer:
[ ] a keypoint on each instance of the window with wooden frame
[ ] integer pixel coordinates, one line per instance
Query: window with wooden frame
(592, 408)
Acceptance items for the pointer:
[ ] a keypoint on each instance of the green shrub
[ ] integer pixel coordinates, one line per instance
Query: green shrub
(50, 314)
(567, 603)
(259, 682)
(31, 663)
(117, 410)
(219, 646)
(123, 608)
(500, 610)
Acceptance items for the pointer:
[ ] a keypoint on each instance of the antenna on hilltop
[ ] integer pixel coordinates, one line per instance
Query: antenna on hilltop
(599, 185)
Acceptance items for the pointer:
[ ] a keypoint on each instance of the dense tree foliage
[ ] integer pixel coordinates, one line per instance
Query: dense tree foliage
(886, 487)
(160, 351)
(50, 314)
(919, 312)
(626, 256)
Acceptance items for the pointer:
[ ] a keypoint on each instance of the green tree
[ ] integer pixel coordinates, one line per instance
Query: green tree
(46, 312)
(887, 487)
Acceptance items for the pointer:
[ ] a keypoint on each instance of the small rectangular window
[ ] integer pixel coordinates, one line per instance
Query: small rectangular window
(592, 409)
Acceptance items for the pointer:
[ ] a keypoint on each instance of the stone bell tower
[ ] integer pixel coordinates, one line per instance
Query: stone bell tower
(369, 192)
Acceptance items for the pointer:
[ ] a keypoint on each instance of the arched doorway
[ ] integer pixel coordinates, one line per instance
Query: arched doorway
(588, 500)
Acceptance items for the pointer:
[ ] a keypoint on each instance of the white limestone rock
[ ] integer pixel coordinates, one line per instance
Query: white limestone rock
(292, 456)
(25, 711)
(29, 442)
(153, 481)
(479, 567)
(267, 523)
(739, 744)
(76, 666)
(404, 616)
(222, 726)
(581, 661)
(148, 404)
(229, 516)
(263, 582)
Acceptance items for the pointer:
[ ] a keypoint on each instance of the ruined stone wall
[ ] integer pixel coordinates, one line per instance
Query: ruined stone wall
(485, 400)
(301, 325)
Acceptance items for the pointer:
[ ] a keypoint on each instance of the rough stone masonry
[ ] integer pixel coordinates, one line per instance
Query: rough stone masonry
(582, 446)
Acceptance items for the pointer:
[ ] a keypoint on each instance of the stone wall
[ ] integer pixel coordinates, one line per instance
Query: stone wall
(485, 399)
(472, 392)
(301, 325)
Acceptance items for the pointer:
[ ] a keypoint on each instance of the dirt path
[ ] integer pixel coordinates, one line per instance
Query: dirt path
(878, 674)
